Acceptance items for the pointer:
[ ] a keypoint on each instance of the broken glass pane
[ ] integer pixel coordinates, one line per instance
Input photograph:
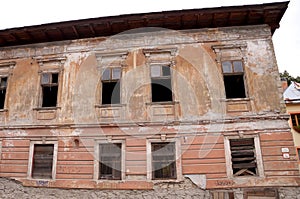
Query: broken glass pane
(155, 71)
(238, 66)
(46, 78)
(166, 71)
(226, 66)
(116, 73)
(3, 82)
(106, 74)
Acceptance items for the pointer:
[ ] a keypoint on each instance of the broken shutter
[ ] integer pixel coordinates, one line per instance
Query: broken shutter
(243, 157)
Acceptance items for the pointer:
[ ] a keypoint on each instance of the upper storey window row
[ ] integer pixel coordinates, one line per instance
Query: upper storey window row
(159, 62)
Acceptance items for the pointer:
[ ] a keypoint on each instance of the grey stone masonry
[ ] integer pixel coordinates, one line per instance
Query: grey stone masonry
(183, 190)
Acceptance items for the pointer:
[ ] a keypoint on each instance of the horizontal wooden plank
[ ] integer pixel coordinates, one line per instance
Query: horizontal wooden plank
(282, 173)
(74, 176)
(216, 175)
(75, 169)
(203, 168)
(283, 136)
(202, 161)
(274, 158)
(244, 165)
(136, 163)
(281, 165)
(75, 150)
(75, 162)
(13, 168)
(202, 146)
(15, 149)
(14, 156)
(13, 175)
(23, 162)
(136, 170)
(135, 142)
(192, 154)
(207, 139)
(266, 151)
(132, 156)
(75, 156)
(15, 143)
(136, 148)
(276, 143)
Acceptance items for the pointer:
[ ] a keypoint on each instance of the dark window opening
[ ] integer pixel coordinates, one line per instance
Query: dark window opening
(298, 152)
(163, 161)
(42, 161)
(243, 157)
(233, 72)
(234, 86)
(111, 93)
(49, 96)
(110, 159)
(161, 86)
(3, 85)
(49, 83)
(295, 120)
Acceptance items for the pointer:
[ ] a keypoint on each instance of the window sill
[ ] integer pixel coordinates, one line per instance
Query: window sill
(46, 108)
(3, 110)
(237, 105)
(235, 99)
(109, 105)
(166, 180)
(246, 177)
(162, 103)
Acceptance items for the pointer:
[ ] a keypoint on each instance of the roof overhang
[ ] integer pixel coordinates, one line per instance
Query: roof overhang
(270, 13)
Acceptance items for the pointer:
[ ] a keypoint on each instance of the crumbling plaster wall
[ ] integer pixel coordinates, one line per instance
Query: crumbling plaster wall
(197, 79)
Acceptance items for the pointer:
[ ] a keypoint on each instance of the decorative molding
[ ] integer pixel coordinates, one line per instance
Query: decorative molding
(6, 68)
(160, 56)
(219, 49)
(112, 58)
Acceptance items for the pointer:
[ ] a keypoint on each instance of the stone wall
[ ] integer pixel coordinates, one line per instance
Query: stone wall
(13, 189)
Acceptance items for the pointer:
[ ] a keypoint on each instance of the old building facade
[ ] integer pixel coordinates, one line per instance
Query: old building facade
(113, 103)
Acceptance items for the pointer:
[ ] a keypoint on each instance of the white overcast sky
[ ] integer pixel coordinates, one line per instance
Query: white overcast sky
(19, 13)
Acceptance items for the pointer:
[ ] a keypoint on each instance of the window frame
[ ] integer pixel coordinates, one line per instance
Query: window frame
(42, 85)
(298, 153)
(296, 119)
(4, 88)
(178, 163)
(258, 156)
(161, 77)
(31, 154)
(97, 161)
(111, 80)
(233, 73)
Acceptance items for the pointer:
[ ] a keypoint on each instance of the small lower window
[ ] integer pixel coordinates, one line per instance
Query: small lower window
(3, 85)
(243, 157)
(110, 160)
(42, 161)
(163, 160)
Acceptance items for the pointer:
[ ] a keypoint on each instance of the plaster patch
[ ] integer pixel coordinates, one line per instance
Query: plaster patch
(16, 133)
(199, 180)
(77, 132)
